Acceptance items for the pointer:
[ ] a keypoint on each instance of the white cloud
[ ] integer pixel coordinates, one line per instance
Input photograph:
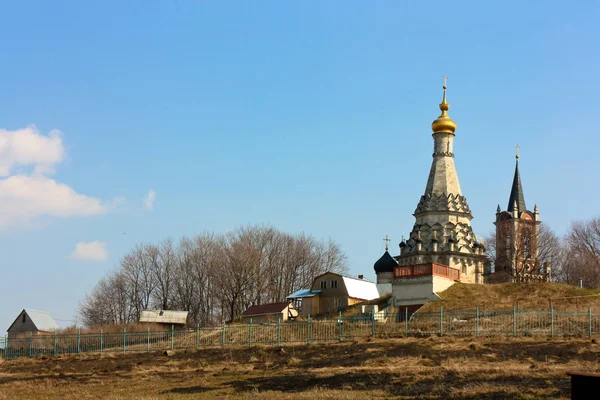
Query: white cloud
(23, 198)
(149, 200)
(90, 251)
(28, 147)
(27, 195)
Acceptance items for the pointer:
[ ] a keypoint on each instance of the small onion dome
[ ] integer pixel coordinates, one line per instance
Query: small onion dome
(475, 245)
(385, 264)
(402, 244)
(444, 123)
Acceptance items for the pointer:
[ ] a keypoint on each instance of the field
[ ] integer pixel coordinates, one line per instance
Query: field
(425, 368)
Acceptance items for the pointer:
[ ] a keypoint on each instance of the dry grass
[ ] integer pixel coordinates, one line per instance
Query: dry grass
(527, 296)
(131, 328)
(433, 368)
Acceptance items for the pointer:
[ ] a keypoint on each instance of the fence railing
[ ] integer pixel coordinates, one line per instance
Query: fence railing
(474, 322)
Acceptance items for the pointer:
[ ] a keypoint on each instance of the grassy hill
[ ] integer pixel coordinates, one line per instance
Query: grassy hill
(526, 296)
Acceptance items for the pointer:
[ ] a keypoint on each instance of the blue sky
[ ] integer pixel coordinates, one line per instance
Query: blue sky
(309, 116)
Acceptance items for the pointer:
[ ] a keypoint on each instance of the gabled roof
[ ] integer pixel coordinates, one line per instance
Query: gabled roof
(516, 193)
(265, 309)
(360, 288)
(42, 320)
(164, 317)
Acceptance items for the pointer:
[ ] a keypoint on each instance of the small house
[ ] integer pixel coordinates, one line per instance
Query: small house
(32, 322)
(270, 312)
(331, 292)
(165, 317)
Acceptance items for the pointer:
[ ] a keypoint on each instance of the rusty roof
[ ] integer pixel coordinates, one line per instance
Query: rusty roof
(265, 309)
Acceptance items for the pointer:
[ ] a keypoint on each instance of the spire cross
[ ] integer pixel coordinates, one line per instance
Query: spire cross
(517, 147)
(445, 77)
(386, 240)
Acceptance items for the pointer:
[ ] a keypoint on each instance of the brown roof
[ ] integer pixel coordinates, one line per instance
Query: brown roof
(262, 309)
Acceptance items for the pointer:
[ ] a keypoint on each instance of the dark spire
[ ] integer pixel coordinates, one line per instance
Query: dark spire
(516, 193)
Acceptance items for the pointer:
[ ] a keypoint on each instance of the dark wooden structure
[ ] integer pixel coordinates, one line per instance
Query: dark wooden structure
(584, 386)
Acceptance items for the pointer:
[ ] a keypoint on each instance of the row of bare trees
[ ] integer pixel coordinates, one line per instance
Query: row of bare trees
(574, 256)
(214, 277)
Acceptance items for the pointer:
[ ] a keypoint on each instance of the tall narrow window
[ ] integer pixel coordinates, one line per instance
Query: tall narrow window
(323, 284)
(334, 284)
(24, 317)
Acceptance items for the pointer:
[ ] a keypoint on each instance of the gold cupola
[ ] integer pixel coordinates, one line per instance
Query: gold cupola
(444, 123)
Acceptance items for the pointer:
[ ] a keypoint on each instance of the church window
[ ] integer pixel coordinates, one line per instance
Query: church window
(464, 269)
(323, 284)
(334, 284)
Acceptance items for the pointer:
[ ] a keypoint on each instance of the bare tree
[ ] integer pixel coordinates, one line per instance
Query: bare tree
(214, 277)
(163, 260)
(582, 254)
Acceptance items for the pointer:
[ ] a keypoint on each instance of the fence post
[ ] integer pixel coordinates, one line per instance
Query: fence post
(278, 331)
(477, 321)
(250, 333)
(30, 342)
(124, 340)
(552, 320)
(148, 342)
(340, 327)
(172, 337)
(373, 322)
(78, 341)
(406, 321)
(101, 343)
(54, 343)
(308, 330)
(514, 321)
(590, 314)
(197, 334)
(223, 335)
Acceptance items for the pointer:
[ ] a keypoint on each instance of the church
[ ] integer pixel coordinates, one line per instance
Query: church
(442, 249)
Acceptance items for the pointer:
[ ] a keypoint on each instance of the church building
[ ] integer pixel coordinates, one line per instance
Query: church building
(441, 248)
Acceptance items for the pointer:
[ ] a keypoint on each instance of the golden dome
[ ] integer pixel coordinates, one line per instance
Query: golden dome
(444, 123)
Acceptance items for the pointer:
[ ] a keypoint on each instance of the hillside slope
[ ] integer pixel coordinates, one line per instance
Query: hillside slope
(526, 296)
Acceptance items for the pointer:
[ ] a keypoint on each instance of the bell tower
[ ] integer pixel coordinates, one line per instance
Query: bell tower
(517, 235)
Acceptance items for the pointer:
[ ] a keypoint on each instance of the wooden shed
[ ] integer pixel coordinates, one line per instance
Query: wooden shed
(164, 317)
(32, 322)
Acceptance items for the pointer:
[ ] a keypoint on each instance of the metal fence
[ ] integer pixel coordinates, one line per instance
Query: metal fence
(474, 322)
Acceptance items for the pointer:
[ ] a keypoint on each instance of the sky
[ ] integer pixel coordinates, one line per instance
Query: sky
(130, 122)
